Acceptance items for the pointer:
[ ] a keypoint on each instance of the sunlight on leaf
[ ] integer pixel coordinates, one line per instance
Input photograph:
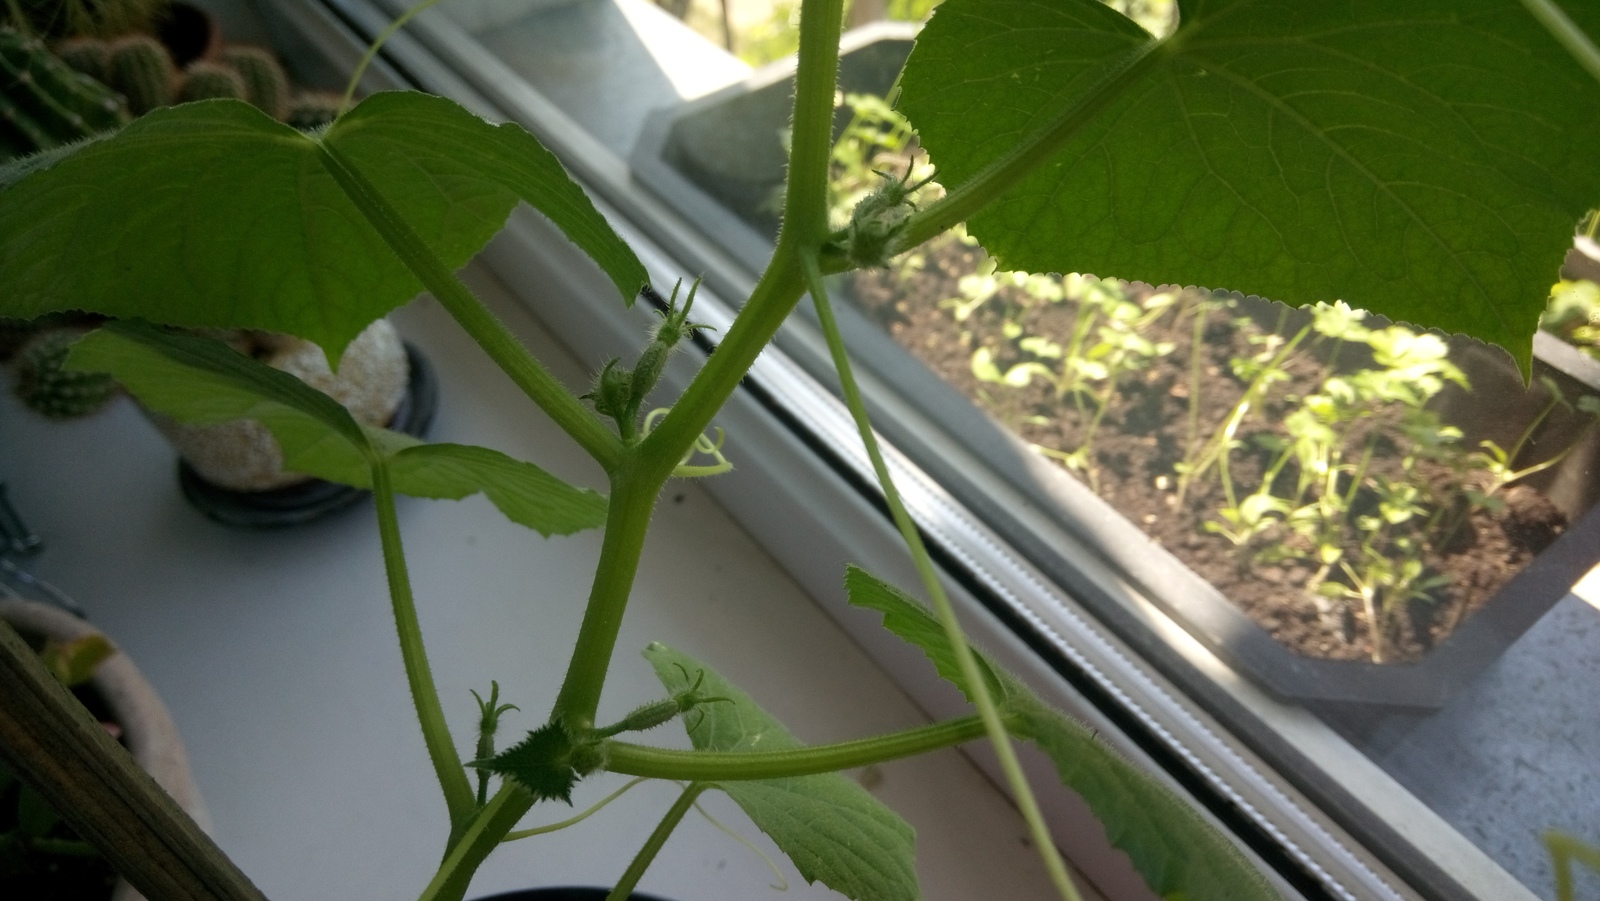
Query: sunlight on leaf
(287, 251)
(833, 830)
(1425, 160)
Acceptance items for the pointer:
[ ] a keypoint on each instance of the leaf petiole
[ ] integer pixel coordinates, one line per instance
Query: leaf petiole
(966, 660)
(661, 763)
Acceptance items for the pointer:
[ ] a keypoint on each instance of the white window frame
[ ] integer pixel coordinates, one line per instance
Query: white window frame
(803, 487)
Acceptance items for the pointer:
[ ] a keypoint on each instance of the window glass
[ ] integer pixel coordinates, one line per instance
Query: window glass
(1379, 525)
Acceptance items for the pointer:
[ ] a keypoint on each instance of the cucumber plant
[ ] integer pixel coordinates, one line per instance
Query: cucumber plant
(1351, 161)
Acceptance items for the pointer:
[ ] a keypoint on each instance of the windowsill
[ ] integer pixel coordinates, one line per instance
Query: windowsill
(276, 653)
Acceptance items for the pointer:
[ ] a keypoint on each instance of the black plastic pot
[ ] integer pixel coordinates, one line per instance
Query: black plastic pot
(563, 893)
(720, 178)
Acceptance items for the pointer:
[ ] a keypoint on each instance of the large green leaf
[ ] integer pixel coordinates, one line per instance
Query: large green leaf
(1426, 160)
(833, 829)
(525, 493)
(454, 178)
(1177, 852)
(203, 381)
(213, 214)
(912, 623)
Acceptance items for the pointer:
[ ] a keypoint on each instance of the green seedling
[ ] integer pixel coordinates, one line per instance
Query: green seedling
(1500, 464)
(1106, 345)
(1565, 850)
(1047, 158)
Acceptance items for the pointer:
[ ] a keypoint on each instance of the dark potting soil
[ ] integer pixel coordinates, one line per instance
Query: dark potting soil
(1145, 432)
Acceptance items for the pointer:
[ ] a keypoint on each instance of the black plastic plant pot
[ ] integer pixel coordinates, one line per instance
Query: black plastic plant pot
(312, 499)
(722, 178)
(564, 893)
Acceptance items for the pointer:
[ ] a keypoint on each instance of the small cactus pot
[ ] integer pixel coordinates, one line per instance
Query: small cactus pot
(233, 472)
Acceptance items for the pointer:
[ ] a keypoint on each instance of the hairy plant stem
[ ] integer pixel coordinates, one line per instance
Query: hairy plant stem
(481, 835)
(637, 478)
(805, 226)
(660, 763)
(976, 685)
(652, 845)
(490, 333)
(627, 523)
(989, 183)
(442, 751)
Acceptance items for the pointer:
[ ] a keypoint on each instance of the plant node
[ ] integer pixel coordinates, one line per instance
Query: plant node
(620, 392)
(878, 218)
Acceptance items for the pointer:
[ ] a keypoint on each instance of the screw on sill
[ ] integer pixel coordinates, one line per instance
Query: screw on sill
(17, 538)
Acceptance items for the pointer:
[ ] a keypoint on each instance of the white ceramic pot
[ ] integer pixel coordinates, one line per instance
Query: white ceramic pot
(243, 456)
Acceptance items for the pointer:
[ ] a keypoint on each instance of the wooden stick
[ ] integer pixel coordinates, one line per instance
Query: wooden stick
(56, 747)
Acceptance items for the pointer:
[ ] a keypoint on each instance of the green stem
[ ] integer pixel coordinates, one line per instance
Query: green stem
(805, 226)
(627, 522)
(1564, 849)
(999, 176)
(491, 334)
(1565, 31)
(637, 477)
(966, 660)
(780, 288)
(571, 821)
(442, 752)
(661, 763)
(372, 51)
(489, 824)
(805, 208)
(652, 845)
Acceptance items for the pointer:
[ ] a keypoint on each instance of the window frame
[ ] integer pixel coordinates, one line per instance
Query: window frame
(1251, 762)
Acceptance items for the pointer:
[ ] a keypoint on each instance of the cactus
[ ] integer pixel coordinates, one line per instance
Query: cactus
(141, 69)
(45, 387)
(86, 55)
(57, 18)
(265, 85)
(45, 103)
(313, 109)
(207, 81)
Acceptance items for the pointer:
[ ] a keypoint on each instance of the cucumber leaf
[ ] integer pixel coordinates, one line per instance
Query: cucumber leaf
(1178, 853)
(211, 214)
(833, 830)
(526, 494)
(203, 381)
(1425, 160)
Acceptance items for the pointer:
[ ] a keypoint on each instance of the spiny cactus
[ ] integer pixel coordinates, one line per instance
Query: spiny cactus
(57, 18)
(313, 109)
(86, 55)
(48, 389)
(45, 103)
(265, 85)
(141, 69)
(207, 81)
